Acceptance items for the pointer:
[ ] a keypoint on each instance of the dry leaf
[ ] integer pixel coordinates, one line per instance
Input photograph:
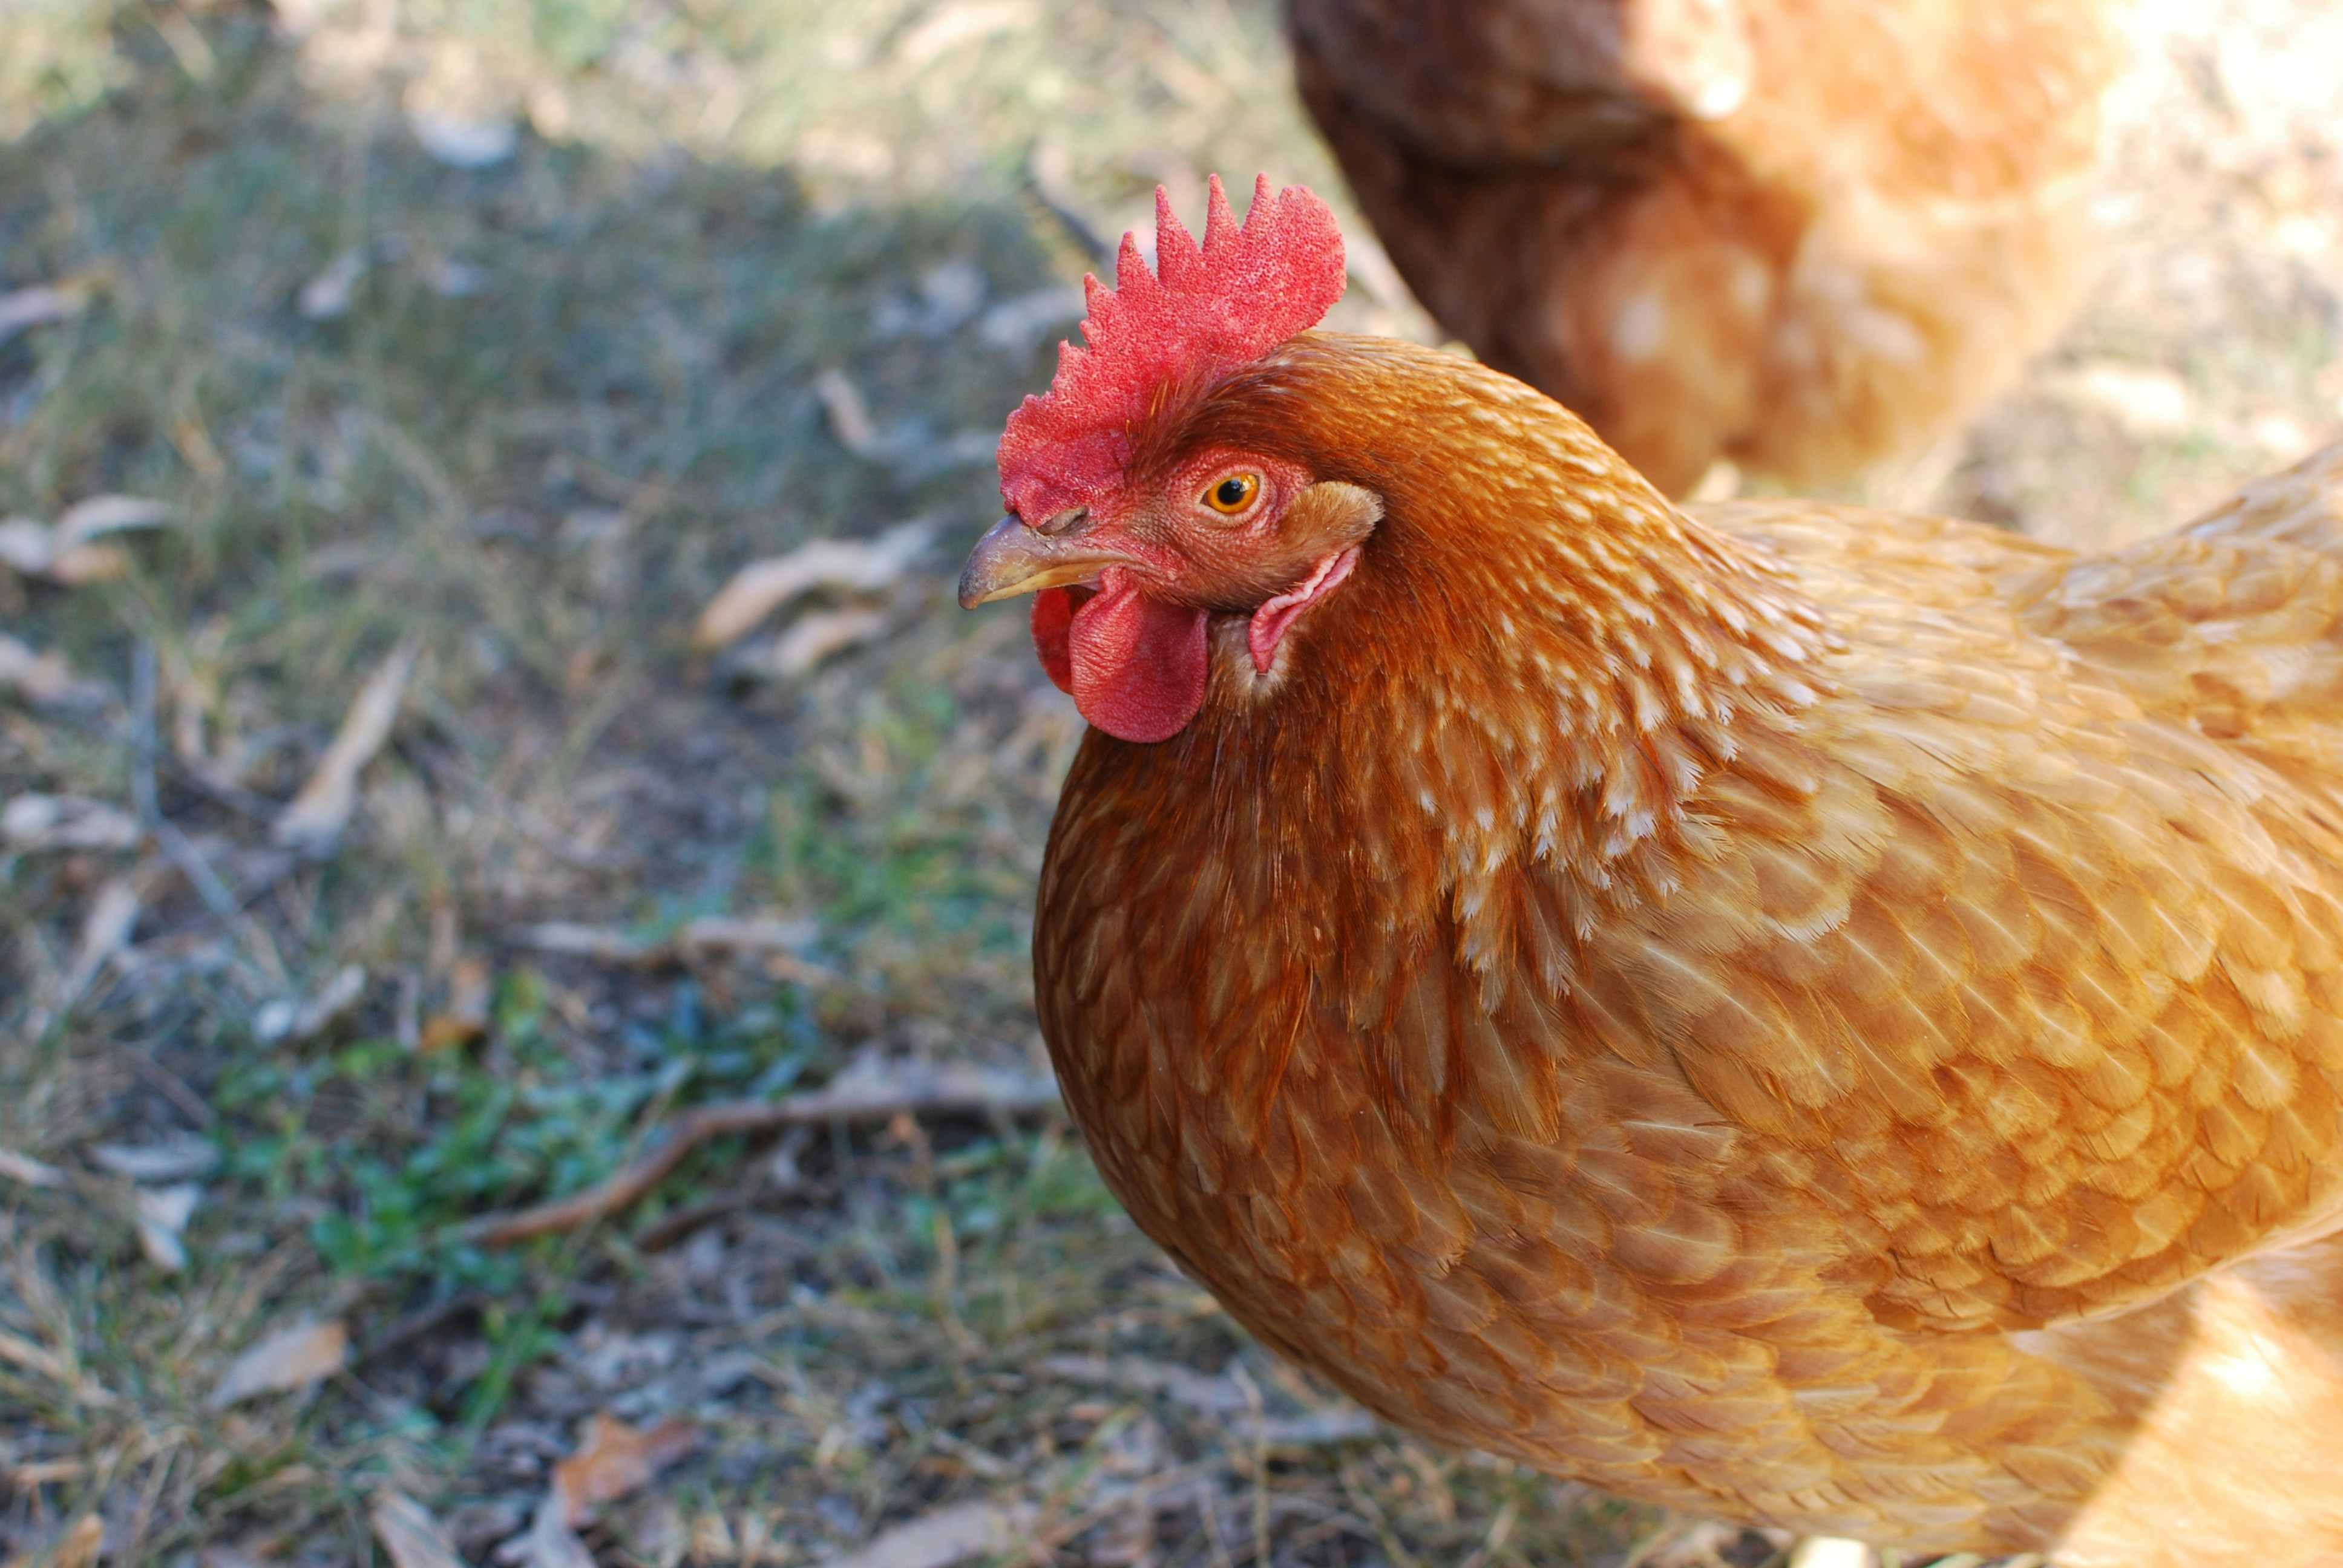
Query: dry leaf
(549, 1543)
(1016, 325)
(761, 588)
(187, 46)
(196, 448)
(76, 565)
(470, 989)
(816, 637)
(173, 1160)
(1138, 1374)
(747, 934)
(34, 549)
(87, 519)
(105, 931)
(27, 545)
(78, 1547)
(1721, 483)
(908, 447)
(614, 1460)
(409, 1534)
(949, 293)
(708, 933)
(162, 1215)
(849, 415)
(461, 142)
(21, 308)
(287, 1019)
(2279, 434)
(66, 552)
(2147, 402)
(66, 822)
(45, 679)
(711, 1538)
(946, 1536)
(1831, 1552)
(328, 295)
(290, 1358)
(874, 1080)
(316, 818)
(963, 23)
(32, 1172)
(574, 940)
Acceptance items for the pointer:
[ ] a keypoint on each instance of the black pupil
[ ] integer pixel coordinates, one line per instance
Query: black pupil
(1232, 492)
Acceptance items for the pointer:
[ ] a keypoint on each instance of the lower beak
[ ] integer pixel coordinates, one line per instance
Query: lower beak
(1012, 558)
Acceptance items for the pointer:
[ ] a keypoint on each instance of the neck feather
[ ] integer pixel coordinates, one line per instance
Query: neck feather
(1535, 646)
(1533, 667)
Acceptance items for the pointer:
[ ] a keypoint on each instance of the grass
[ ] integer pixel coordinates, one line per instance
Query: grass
(568, 393)
(562, 396)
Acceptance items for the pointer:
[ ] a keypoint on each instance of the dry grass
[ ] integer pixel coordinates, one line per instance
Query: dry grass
(562, 397)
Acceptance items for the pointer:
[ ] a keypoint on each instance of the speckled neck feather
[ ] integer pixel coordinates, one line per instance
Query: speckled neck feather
(1537, 656)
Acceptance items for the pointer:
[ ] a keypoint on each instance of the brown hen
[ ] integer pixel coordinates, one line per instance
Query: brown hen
(1828, 1019)
(1800, 234)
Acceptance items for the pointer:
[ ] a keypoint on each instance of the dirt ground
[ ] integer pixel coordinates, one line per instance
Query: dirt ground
(382, 852)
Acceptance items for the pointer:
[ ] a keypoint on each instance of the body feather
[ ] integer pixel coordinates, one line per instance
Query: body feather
(1796, 1013)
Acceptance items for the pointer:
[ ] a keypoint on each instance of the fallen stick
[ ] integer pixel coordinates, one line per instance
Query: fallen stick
(944, 1092)
(771, 941)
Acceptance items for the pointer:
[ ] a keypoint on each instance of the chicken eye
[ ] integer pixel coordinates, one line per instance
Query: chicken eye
(1233, 494)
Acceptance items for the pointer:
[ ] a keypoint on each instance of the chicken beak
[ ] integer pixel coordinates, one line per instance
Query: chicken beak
(1012, 558)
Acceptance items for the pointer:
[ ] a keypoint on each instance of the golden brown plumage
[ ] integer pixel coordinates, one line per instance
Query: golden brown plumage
(1802, 234)
(1827, 1018)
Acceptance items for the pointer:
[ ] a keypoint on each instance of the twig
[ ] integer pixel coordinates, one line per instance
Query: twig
(142, 718)
(198, 870)
(1364, 1501)
(175, 844)
(170, 1084)
(1052, 180)
(415, 1324)
(771, 941)
(726, 1118)
(676, 1224)
(1258, 1409)
(314, 820)
(208, 779)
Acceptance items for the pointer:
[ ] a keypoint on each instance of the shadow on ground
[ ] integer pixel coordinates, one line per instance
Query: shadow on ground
(519, 422)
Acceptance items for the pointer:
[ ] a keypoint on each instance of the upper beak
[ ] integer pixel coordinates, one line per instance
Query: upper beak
(1012, 558)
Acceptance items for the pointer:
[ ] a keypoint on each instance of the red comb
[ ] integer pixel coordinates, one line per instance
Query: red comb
(1203, 311)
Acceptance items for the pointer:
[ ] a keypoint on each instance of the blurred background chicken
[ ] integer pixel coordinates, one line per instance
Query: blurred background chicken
(1801, 235)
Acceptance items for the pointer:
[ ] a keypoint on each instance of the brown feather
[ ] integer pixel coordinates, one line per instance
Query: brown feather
(1778, 1010)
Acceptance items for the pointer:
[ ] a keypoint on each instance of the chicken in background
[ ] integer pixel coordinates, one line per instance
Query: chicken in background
(1801, 235)
(1824, 1018)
